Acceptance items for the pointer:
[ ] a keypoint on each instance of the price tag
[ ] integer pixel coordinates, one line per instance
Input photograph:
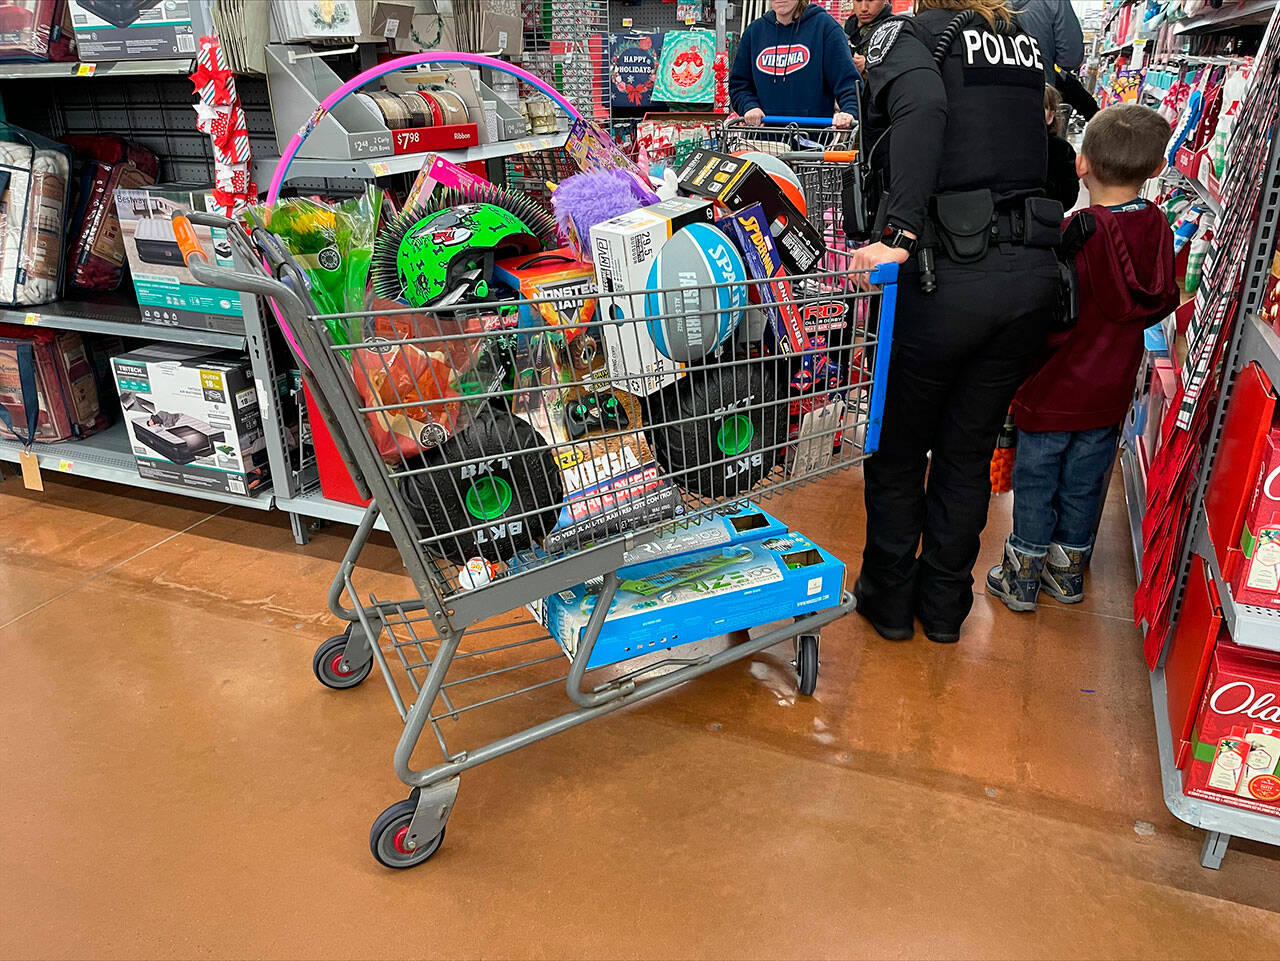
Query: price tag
(627, 21)
(65, 466)
(379, 169)
(31, 320)
(1139, 54)
(85, 69)
(689, 21)
(30, 471)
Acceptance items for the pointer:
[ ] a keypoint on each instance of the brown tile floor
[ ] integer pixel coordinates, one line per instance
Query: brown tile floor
(176, 783)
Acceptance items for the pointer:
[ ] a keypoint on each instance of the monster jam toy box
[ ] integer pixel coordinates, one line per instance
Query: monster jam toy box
(661, 604)
(167, 293)
(133, 29)
(193, 417)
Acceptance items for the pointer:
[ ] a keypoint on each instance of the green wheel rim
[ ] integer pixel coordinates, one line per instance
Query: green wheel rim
(488, 498)
(735, 435)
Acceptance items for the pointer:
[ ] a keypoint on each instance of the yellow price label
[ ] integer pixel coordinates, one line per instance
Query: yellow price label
(379, 169)
(31, 320)
(627, 21)
(65, 466)
(85, 69)
(689, 21)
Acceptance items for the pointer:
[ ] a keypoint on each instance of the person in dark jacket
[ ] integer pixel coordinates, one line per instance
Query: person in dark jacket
(794, 61)
(1061, 184)
(862, 23)
(1068, 413)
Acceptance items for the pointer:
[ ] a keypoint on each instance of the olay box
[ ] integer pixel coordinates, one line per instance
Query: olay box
(735, 184)
(1236, 741)
(1257, 573)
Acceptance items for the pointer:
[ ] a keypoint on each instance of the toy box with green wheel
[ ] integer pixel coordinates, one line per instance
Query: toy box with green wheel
(661, 605)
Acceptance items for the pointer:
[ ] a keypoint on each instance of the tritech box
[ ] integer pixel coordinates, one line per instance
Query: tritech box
(661, 604)
(1236, 741)
(736, 184)
(624, 249)
(193, 417)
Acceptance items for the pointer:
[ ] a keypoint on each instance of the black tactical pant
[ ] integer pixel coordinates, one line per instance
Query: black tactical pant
(959, 355)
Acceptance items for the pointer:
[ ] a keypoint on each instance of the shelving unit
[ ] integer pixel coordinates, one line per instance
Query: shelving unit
(97, 68)
(1135, 500)
(1235, 15)
(116, 315)
(1204, 193)
(107, 457)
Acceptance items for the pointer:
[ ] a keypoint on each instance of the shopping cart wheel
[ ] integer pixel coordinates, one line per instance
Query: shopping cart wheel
(807, 662)
(327, 664)
(389, 838)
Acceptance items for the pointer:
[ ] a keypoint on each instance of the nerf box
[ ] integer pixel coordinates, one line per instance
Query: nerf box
(193, 417)
(133, 29)
(735, 184)
(624, 250)
(167, 293)
(710, 592)
(1236, 740)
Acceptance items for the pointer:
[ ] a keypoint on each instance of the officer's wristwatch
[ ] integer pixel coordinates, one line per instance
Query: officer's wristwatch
(897, 237)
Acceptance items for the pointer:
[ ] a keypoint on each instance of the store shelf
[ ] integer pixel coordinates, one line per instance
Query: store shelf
(1198, 812)
(410, 163)
(1261, 343)
(1249, 13)
(107, 457)
(100, 68)
(1249, 626)
(315, 504)
(1135, 499)
(1203, 192)
(115, 314)
(1112, 51)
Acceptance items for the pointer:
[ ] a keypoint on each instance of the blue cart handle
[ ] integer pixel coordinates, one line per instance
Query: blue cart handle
(799, 121)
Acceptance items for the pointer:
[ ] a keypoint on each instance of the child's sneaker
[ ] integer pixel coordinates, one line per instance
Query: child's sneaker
(1063, 575)
(1017, 580)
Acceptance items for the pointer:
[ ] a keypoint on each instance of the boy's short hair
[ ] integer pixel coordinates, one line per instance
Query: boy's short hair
(1125, 144)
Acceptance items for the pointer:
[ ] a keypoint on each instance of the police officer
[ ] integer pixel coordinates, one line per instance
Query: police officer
(960, 149)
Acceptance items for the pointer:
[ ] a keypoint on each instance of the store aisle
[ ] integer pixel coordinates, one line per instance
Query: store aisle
(178, 784)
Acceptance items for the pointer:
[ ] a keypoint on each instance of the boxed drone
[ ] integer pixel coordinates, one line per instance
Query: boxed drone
(749, 523)
(167, 293)
(735, 184)
(193, 417)
(660, 605)
(1236, 741)
(624, 249)
(133, 29)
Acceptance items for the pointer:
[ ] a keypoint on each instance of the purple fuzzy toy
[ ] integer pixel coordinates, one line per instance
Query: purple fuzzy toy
(586, 199)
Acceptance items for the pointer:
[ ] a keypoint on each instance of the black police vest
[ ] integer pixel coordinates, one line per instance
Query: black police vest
(996, 136)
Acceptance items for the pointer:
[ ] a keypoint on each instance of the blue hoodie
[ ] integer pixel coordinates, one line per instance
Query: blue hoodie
(801, 70)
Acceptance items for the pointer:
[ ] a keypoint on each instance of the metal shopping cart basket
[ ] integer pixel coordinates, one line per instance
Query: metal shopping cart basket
(477, 429)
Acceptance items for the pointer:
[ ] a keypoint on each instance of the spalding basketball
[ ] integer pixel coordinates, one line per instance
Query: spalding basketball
(782, 175)
(689, 316)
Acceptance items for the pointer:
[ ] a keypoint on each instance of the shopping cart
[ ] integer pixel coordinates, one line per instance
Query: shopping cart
(487, 489)
(821, 157)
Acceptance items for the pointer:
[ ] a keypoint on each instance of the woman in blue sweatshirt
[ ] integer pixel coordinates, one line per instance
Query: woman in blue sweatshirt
(794, 61)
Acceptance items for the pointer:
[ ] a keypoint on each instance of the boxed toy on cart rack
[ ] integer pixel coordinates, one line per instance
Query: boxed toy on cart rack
(167, 293)
(193, 417)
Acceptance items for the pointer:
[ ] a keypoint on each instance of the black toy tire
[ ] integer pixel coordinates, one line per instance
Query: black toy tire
(807, 663)
(522, 472)
(687, 435)
(325, 661)
(388, 832)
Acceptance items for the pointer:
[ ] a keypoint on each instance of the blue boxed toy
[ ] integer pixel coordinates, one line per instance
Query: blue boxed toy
(710, 592)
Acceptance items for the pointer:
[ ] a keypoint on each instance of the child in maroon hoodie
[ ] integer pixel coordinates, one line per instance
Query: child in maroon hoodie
(1068, 412)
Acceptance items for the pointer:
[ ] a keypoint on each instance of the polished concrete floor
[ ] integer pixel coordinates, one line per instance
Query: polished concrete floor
(176, 783)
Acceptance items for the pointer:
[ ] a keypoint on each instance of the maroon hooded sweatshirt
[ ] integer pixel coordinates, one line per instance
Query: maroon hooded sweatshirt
(1086, 381)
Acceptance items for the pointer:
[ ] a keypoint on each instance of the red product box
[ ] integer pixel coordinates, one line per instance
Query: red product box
(66, 388)
(1257, 574)
(1236, 742)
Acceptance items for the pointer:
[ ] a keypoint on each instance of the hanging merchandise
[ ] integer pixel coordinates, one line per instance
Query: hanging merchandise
(35, 178)
(304, 21)
(686, 72)
(633, 67)
(220, 115)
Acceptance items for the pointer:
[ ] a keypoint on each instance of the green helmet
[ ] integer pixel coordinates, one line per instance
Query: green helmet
(451, 251)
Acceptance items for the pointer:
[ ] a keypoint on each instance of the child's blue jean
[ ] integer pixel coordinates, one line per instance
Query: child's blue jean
(1059, 478)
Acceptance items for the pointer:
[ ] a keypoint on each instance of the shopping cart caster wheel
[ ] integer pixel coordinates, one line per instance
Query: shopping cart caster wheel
(328, 668)
(389, 838)
(807, 663)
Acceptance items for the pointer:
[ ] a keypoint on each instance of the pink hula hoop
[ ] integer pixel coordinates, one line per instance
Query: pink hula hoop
(400, 63)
